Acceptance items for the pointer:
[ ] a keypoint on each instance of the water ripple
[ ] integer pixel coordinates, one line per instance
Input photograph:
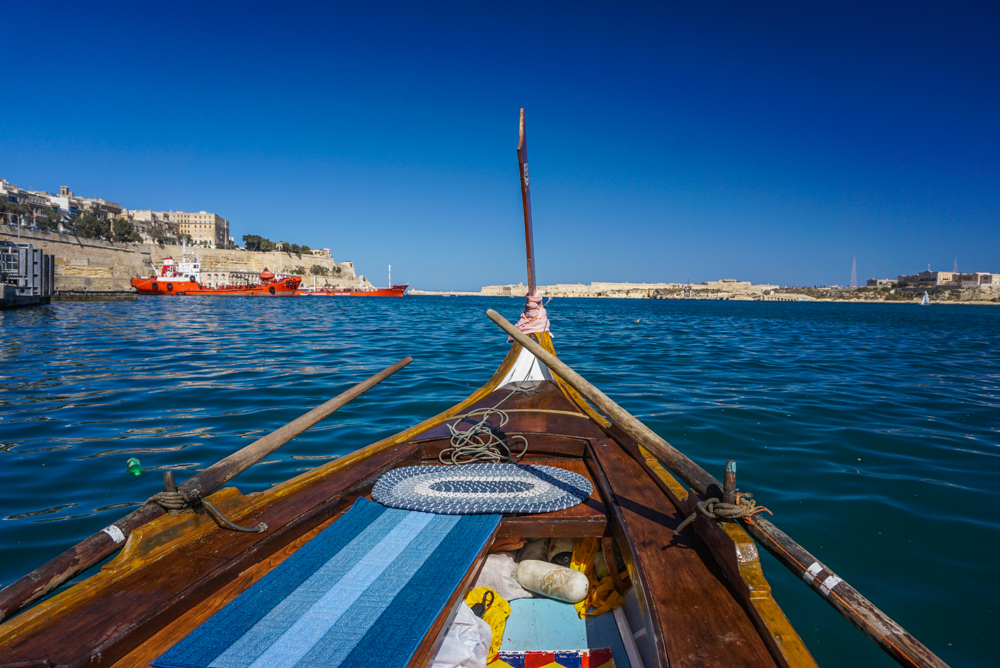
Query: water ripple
(868, 429)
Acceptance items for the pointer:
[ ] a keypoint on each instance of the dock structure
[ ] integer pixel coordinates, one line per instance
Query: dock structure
(26, 276)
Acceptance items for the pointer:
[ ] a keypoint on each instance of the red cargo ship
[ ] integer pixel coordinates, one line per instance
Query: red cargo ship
(394, 291)
(360, 291)
(183, 279)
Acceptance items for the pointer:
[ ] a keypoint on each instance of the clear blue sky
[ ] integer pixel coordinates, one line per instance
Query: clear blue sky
(669, 142)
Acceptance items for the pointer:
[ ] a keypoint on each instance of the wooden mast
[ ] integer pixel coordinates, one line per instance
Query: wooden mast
(529, 240)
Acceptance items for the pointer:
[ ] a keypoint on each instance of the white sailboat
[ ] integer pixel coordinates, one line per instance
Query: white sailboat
(926, 300)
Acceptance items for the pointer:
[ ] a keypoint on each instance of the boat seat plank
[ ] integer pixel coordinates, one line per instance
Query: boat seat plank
(587, 519)
(695, 618)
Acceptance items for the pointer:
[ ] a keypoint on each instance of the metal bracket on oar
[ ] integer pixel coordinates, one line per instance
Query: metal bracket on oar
(848, 601)
(106, 542)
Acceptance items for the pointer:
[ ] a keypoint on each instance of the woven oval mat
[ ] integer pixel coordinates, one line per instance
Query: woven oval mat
(476, 489)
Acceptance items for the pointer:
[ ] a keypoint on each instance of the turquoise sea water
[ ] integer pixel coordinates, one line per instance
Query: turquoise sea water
(872, 431)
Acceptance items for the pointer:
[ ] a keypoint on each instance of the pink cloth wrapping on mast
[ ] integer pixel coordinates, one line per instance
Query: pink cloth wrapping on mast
(534, 319)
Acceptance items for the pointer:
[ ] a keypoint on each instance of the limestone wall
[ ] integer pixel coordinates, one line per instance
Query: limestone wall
(724, 289)
(89, 264)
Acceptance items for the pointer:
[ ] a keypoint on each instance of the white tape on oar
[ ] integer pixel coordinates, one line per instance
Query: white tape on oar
(812, 572)
(115, 533)
(829, 584)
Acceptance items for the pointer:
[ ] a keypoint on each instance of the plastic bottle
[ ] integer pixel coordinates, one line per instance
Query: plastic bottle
(556, 582)
(133, 466)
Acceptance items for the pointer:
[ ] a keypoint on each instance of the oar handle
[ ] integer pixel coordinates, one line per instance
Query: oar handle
(106, 542)
(861, 612)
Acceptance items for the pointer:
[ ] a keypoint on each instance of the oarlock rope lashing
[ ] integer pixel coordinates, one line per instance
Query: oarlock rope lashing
(183, 499)
(744, 508)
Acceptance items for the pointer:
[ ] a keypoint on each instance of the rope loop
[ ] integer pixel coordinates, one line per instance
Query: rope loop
(744, 509)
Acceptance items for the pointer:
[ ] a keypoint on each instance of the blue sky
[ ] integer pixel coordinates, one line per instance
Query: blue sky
(771, 142)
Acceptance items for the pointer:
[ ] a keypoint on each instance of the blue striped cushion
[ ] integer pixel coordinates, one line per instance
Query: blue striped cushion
(364, 592)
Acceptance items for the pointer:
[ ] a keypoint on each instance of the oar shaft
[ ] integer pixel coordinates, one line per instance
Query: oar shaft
(861, 612)
(92, 550)
(529, 238)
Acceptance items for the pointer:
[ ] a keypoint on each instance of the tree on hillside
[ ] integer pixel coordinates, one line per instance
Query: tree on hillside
(125, 231)
(255, 242)
(299, 270)
(9, 210)
(319, 270)
(90, 227)
(51, 220)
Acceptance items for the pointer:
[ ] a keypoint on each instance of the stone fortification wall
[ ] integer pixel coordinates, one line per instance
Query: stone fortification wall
(724, 289)
(89, 264)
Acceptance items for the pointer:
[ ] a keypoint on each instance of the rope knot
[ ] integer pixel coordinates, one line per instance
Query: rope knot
(191, 498)
(744, 509)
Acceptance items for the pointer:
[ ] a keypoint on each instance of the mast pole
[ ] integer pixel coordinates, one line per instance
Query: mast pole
(522, 161)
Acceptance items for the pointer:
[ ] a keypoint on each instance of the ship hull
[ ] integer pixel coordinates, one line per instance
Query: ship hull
(394, 291)
(154, 286)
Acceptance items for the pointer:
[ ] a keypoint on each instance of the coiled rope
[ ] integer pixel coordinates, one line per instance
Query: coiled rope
(480, 443)
(744, 508)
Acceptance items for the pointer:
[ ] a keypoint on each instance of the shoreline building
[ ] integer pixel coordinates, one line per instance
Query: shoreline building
(203, 227)
(927, 279)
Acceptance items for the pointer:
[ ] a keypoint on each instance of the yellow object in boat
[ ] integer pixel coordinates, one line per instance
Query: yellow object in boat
(496, 616)
(602, 595)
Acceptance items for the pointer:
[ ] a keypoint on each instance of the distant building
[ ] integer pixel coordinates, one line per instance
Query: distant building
(320, 252)
(202, 227)
(880, 282)
(928, 278)
(36, 205)
(977, 278)
(153, 224)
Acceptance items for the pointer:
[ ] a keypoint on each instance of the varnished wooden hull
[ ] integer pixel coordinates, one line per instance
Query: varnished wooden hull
(704, 600)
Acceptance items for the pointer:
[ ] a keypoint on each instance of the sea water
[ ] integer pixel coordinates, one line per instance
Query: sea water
(870, 430)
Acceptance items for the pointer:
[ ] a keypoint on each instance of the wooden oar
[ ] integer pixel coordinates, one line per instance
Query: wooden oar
(104, 543)
(861, 612)
(529, 239)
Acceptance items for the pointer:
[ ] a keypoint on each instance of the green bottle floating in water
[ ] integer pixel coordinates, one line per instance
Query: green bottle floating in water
(133, 466)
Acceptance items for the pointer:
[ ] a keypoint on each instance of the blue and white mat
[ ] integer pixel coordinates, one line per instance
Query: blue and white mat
(475, 489)
(364, 592)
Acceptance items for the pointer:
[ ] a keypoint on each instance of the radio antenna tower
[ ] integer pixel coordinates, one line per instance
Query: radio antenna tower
(955, 267)
(854, 273)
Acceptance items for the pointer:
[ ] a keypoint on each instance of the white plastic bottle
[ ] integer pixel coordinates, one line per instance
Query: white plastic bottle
(563, 584)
